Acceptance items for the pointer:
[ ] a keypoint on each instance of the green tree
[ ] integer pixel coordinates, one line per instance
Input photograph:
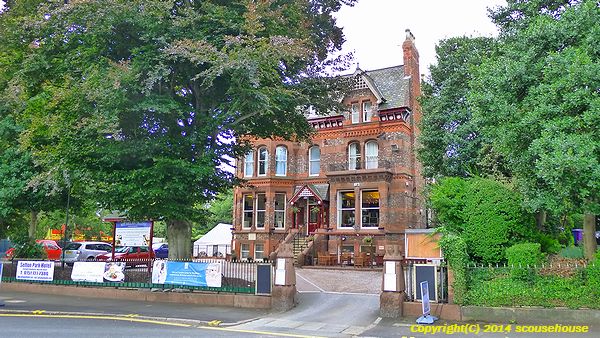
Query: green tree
(451, 142)
(139, 101)
(538, 101)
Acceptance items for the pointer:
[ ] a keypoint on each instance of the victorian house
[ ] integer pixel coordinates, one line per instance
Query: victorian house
(352, 189)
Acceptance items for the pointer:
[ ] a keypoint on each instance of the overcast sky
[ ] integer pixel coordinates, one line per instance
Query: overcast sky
(375, 29)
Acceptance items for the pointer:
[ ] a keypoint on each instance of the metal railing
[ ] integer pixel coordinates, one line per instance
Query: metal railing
(236, 277)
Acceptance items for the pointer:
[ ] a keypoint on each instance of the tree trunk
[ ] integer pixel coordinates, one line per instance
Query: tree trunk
(540, 219)
(179, 233)
(589, 236)
(33, 224)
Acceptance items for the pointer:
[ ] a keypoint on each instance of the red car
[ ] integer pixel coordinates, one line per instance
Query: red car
(53, 251)
(131, 255)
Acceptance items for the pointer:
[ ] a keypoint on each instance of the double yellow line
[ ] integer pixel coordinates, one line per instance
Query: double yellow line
(131, 318)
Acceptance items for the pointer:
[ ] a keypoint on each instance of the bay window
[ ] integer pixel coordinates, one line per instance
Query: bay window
(261, 210)
(370, 208)
(280, 161)
(279, 211)
(346, 209)
(248, 216)
(263, 161)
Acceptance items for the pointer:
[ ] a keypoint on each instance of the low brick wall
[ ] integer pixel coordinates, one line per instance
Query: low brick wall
(199, 298)
(440, 310)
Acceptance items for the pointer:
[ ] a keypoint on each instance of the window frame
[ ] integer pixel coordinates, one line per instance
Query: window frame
(367, 115)
(354, 160)
(279, 211)
(355, 112)
(260, 211)
(244, 254)
(371, 161)
(364, 209)
(341, 209)
(263, 163)
(311, 161)
(247, 211)
(256, 251)
(279, 160)
(249, 164)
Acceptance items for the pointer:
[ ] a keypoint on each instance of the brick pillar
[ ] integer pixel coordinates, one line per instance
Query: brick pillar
(450, 286)
(392, 295)
(284, 289)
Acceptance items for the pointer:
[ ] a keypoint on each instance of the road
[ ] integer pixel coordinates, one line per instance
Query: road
(325, 309)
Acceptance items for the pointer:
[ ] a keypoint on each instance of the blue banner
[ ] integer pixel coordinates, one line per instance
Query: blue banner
(187, 273)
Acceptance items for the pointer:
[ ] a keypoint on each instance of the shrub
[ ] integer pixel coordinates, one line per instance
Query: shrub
(455, 253)
(593, 275)
(522, 259)
(26, 247)
(571, 252)
(548, 243)
(485, 213)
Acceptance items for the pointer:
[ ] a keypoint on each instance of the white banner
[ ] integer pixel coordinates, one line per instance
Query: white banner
(88, 272)
(132, 234)
(98, 272)
(35, 270)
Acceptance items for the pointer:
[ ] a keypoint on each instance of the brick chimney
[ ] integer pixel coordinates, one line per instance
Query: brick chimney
(411, 68)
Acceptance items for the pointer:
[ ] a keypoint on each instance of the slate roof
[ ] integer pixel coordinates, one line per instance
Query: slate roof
(392, 84)
(320, 189)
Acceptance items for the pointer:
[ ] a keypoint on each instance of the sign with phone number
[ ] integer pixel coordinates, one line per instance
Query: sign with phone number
(35, 270)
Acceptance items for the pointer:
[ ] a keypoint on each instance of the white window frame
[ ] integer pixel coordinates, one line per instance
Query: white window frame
(244, 254)
(367, 113)
(341, 209)
(371, 159)
(256, 251)
(278, 210)
(354, 156)
(249, 164)
(259, 211)
(245, 211)
(355, 112)
(263, 162)
(312, 161)
(363, 209)
(280, 161)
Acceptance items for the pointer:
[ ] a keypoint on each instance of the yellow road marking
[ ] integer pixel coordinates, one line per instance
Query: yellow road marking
(127, 319)
(131, 315)
(214, 323)
(38, 312)
(158, 322)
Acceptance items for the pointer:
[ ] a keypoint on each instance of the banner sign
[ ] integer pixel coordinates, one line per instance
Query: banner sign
(132, 234)
(187, 273)
(1, 267)
(98, 272)
(425, 298)
(35, 270)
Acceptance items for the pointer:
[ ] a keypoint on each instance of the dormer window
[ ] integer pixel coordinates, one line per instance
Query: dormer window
(366, 110)
(361, 112)
(355, 113)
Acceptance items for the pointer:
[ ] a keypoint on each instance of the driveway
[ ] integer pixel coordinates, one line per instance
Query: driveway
(352, 281)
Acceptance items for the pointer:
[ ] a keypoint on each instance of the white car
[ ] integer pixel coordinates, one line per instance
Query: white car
(84, 251)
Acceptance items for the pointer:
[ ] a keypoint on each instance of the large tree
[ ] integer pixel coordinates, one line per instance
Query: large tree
(538, 100)
(139, 101)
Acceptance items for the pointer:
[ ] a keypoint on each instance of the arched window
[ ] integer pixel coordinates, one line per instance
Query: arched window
(354, 156)
(263, 161)
(371, 155)
(249, 164)
(314, 158)
(280, 161)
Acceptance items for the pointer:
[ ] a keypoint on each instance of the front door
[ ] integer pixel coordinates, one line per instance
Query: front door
(313, 215)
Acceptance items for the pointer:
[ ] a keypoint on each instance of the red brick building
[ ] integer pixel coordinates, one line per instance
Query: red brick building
(358, 176)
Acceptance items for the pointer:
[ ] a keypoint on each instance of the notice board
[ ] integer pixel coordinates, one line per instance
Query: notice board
(264, 279)
(422, 273)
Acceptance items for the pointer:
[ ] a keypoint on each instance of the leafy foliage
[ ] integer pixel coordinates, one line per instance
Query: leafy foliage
(523, 258)
(485, 213)
(455, 253)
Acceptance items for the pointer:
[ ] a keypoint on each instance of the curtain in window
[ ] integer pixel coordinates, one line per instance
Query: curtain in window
(315, 160)
(371, 154)
(280, 161)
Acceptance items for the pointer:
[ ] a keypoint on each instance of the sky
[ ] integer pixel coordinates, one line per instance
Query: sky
(375, 29)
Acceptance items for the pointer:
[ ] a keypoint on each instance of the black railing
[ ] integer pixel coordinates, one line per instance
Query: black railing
(236, 277)
(368, 164)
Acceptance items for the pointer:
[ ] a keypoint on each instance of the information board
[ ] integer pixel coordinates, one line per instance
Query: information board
(264, 279)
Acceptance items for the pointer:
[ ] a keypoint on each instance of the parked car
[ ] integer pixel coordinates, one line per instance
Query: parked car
(85, 251)
(131, 255)
(161, 250)
(52, 248)
(53, 251)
